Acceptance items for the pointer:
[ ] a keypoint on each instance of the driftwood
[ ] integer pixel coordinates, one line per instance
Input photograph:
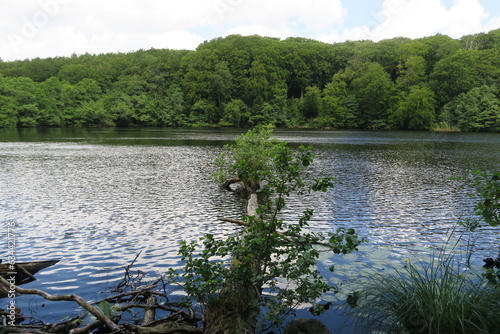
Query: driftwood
(89, 308)
(24, 271)
(178, 319)
(165, 328)
(149, 315)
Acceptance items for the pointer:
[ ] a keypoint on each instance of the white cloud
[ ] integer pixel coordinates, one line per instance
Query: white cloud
(314, 14)
(61, 27)
(282, 18)
(494, 23)
(247, 30)
(43, 28)
(419, 18)
(177, 39)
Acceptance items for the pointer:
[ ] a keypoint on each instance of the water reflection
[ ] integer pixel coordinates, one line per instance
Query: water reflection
(96, 198)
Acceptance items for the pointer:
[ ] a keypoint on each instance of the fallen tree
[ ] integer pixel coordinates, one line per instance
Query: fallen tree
(253, 280)
(131, 295)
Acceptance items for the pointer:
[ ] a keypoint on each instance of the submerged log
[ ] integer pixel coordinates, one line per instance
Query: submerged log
(164, 328)
(79, 300)
(24, 270)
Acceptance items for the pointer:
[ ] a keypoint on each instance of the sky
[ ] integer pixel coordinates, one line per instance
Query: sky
(50, 28)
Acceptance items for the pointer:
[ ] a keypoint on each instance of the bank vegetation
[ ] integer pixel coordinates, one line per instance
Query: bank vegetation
(239, 81)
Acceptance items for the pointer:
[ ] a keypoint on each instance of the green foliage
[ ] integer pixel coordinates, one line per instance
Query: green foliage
(271, 253)
(444, 126)
(412, 71)
(487, 209)
(173, 111)
(487, 192)
(475, 110)
(416, 111)
(249, 80)
(235, 114)
(105, 308)
(339, 107)
(436, 297)
(250, 158)
(463, 71)
(371, 86)
(488, 188)
(311, 104)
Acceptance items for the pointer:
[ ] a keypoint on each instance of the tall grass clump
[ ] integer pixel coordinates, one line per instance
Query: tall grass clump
(436, 297)
(444, 126)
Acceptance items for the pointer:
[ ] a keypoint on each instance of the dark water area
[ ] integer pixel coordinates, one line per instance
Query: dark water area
(95, 198)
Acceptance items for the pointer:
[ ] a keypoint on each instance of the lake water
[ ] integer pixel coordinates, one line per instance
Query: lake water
(96, 198)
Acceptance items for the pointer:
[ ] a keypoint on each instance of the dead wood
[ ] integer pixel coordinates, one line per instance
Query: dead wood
(66, 326)
(85, 329)
(252, 205)
(227, 184)
(95, 312)
(19, 329)
(164, 328)
(133, 295)
(149, 315)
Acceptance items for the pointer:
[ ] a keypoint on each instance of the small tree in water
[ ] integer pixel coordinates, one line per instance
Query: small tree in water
(228, 276)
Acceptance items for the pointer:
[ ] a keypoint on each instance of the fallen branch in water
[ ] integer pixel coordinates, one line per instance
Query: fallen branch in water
(79, 300)
(132, 294)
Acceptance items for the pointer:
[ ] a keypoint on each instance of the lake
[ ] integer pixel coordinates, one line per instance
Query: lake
(95, 198)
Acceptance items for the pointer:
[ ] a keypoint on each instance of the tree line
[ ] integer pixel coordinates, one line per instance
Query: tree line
(399, 83)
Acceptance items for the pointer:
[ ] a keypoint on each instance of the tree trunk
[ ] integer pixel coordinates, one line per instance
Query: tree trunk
(235, 311)
(238, 306)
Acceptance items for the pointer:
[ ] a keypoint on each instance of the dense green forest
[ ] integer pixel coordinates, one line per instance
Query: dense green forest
(398, 83)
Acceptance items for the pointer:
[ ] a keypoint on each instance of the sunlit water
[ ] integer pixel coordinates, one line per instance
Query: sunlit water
(96, 198)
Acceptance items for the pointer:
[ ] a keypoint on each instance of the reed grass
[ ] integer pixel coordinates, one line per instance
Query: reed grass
(430, 298)
(444, 127)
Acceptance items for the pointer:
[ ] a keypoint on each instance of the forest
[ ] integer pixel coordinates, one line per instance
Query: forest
(434, 82)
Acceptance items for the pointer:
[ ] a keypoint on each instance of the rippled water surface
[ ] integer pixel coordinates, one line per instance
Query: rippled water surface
(96, 198)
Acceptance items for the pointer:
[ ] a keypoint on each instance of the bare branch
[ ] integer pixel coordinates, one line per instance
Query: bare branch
(98, 314)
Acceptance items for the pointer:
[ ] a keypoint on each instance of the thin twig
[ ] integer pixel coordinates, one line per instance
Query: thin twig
(126, 276)
(131, 293)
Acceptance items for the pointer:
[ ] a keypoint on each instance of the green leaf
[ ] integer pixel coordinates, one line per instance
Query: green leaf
(105, 308)
(116, 310)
